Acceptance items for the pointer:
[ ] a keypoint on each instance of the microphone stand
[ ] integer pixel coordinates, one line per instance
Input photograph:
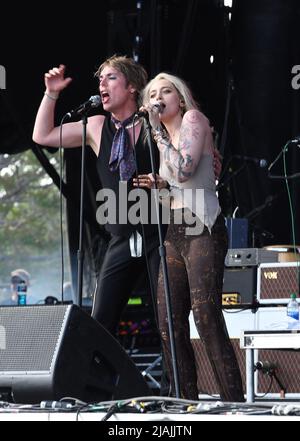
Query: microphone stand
(162, 253)
(271, 372)
(80, 249)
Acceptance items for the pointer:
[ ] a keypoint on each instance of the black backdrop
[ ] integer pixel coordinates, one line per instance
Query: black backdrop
(256, 51)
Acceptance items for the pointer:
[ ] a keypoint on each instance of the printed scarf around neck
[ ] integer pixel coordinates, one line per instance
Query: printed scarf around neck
(122, 156)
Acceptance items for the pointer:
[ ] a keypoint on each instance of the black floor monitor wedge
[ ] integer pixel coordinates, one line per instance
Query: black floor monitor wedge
(51, 352)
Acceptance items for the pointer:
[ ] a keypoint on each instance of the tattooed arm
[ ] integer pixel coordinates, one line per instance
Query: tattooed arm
(183, 161)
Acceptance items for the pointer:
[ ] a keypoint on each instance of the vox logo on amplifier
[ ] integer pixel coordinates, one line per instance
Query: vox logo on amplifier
(276, 281)
(270, 275)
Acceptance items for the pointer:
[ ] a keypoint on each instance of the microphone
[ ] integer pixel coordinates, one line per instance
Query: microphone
(144, 114)
(261, 162)
(93, 101)
(265, 366)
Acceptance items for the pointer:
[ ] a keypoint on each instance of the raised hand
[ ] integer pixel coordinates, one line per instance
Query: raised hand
(55, 80)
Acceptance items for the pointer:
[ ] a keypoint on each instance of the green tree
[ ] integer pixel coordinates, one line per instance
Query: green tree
(29, 217)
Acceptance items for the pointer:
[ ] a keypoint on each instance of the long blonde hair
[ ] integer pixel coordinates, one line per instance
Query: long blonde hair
(180, 85)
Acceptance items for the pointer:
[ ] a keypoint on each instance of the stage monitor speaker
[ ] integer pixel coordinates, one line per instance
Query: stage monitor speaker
(51, 352)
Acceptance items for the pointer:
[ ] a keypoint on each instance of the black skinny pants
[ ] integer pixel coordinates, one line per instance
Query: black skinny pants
(117, 279)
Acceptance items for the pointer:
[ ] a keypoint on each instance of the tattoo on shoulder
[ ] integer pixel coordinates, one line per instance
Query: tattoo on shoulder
(193, 116)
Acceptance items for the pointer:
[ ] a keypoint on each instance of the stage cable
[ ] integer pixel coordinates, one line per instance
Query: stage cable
(296, 251)
(153, 294)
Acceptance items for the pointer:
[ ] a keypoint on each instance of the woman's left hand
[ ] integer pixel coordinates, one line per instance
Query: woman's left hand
(153, 112)
(147, 181)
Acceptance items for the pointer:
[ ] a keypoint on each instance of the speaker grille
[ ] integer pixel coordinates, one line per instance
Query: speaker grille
(242, 281)
(286, 362)
(30, 337)
(277, 281)
(287, 371)
(206, 379)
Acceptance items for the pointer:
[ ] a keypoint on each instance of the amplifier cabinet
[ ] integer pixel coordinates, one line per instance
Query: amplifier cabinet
(286, 365)
(285, 362)
(242, 281)
(207, 384)
(277, 281)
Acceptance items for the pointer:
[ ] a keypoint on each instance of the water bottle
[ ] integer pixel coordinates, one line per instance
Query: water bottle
(22, 293)
(292, 308)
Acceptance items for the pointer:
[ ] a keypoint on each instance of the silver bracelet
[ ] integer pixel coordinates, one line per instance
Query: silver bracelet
(50, 96)
(160, 135)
